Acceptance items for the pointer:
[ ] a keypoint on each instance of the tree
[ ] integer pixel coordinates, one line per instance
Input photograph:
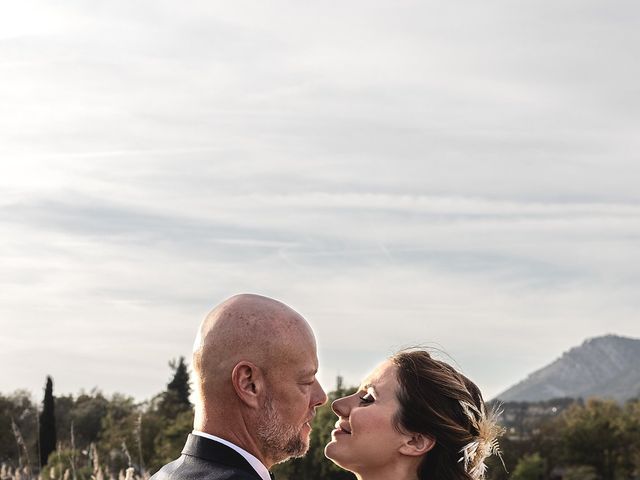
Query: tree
(530, 467)
(117, 438)
(87, 415)
(47, 424)
(175, 399)
(170, 440)
(63, 410)
(18, 408)
(590, 436)
(180, 384)
(579, 472)
(629, 427)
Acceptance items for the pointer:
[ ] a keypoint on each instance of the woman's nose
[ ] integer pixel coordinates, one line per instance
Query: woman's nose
(340, 407)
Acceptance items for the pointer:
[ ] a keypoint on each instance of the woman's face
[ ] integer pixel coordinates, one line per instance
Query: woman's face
(365, 437)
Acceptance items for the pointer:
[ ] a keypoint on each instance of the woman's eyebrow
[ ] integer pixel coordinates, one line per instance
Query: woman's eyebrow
(369, 386)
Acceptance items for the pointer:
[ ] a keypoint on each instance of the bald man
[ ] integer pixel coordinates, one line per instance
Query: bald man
(255, 364)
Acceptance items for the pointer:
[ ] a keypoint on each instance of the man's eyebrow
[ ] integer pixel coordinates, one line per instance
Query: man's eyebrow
(307, 373)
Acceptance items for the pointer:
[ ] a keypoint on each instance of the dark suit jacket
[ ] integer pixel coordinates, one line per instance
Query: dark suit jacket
(206, 459)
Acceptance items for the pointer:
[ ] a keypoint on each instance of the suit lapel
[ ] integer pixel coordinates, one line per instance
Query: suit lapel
(215, 452)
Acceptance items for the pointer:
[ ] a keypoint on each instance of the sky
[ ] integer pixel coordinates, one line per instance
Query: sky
(456, 175)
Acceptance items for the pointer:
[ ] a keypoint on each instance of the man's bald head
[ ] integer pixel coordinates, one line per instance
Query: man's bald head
(255, 363)
(245, 327)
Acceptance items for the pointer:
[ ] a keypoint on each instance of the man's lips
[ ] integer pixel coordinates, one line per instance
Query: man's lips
(308, 422)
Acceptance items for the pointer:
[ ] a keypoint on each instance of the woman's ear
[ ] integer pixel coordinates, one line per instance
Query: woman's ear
(248, 383)
(417, 444)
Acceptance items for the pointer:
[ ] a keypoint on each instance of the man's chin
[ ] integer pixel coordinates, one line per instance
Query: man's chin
(304, 447)
(302, 444)
(297, 450)
(284, 442)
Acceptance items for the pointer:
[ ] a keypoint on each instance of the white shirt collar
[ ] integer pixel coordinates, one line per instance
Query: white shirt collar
(253, 461)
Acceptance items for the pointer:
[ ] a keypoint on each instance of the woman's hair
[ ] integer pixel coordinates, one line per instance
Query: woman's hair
(437, 401)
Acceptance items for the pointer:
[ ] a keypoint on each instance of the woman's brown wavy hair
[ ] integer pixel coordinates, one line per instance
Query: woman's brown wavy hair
(430, 396)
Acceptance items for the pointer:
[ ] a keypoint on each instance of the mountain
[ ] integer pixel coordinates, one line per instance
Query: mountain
(606, 367)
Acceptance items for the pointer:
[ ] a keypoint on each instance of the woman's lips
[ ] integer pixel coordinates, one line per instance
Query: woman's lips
(341, 429)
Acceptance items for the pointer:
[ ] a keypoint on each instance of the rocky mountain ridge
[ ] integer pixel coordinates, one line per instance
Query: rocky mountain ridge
(606, 367)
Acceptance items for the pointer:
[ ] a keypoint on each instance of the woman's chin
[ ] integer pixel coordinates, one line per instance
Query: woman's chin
(328, 448)
(331, 451)
(336, 453)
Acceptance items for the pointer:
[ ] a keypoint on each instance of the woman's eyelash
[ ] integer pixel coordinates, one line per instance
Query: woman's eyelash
(367, 398)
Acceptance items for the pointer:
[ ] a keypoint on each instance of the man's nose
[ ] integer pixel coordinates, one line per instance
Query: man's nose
(320, 397)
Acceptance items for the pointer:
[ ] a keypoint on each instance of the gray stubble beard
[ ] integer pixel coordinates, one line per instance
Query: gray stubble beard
(279, 441)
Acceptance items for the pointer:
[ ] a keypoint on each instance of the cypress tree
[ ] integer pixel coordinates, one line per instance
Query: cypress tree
(47, 424)
(175, 398)
(179, 384)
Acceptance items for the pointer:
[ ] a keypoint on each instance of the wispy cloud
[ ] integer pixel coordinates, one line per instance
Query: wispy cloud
(401, 173)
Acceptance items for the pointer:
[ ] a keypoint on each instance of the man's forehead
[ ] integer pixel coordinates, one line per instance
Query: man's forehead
(309, 366)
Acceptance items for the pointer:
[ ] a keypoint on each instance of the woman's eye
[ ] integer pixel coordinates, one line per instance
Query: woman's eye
(367, 398)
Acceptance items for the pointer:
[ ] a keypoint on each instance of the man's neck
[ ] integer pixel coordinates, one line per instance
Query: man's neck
(239, 436)
(255, 463)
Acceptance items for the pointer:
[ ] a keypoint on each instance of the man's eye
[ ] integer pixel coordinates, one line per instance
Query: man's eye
(367, 398)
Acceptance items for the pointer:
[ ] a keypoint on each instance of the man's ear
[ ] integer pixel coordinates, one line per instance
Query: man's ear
(248, 382)
(417, 444)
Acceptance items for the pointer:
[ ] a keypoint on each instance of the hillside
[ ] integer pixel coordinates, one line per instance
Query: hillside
(607, 367)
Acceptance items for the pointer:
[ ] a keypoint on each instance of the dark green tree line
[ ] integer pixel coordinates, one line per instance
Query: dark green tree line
(593, 440)
(598, 439)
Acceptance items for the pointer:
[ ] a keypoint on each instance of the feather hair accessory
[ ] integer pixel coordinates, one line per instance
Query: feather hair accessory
(485, 443)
